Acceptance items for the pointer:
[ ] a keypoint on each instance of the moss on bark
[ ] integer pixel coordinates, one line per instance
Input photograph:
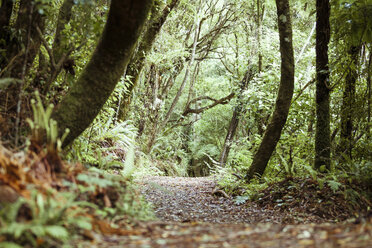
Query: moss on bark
(322, 132)
(99, 78)
(283, 101)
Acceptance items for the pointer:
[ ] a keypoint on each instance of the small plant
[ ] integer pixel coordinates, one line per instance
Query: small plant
(44, 128)
(42, 221)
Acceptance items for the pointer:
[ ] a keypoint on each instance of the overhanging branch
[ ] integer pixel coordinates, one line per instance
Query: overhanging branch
(189, 110)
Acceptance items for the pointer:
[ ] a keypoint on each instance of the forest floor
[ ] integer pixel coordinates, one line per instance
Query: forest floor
(193, 213)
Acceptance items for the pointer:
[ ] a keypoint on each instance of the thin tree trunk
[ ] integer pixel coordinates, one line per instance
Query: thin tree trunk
(322, 133)
(183, 84)
(235, 119)
(6, 9)
(87, 96)
(259, 33)
(59, 48)
(28, 19)
(369, 72)
(346, 138)
(283, 101)
(306, 44)
(61, 44)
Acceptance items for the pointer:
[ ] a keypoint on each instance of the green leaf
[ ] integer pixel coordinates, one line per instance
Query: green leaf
(9, 245)
(39, 230)
(83, 224)
(334, 185)
(57, 232)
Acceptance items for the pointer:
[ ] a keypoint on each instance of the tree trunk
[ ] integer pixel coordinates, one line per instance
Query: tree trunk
(6, 9)
(28, 19)
(235, 119)
(60, 49)
(346, 139)
(61, 44)
(186, 77)
(369, 73)
(260, 9)
(137, 62)
(283, 101)
(87, 96)
(322, 133)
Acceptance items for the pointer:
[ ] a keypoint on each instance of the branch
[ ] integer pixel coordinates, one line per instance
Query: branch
(189, 110)
(49, 50)
(303, 89)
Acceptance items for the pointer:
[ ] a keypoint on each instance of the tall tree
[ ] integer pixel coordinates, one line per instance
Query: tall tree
(346, 141)
(322, 133)
(283, 101)
(87, 96)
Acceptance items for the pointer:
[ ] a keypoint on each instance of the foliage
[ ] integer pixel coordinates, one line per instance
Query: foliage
(53, 220)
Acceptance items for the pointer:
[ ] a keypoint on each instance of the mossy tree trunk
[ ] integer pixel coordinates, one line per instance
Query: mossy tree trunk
(348, 101)
(322, 131)
(283, 101)
(87, 96)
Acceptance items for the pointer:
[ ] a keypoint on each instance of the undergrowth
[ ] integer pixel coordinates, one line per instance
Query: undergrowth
(55, 204)
(345, 194)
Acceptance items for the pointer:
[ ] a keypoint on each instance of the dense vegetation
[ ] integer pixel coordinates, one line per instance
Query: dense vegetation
(254, 92)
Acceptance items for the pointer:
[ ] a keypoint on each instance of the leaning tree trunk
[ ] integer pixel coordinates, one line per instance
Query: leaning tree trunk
(235, 118)
(322, 133)
(87, 96)
(283, 101)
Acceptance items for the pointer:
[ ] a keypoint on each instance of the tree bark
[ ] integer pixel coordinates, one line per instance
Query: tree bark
(28, 19)
(60, 51)
(369, 94)
(346, 139)
(60, 44)
(87, 96)
(235, 119)
(322, 133)
(283, 101)
(6, 9)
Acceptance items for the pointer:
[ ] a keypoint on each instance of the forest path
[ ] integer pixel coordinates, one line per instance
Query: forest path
(190, 199)
(192, 216)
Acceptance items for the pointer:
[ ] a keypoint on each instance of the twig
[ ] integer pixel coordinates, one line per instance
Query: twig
(303, 89)
(219, 191)
(45, 43)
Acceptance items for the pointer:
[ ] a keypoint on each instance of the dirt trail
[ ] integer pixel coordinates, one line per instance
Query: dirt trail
(185, 199)
(192, 216)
